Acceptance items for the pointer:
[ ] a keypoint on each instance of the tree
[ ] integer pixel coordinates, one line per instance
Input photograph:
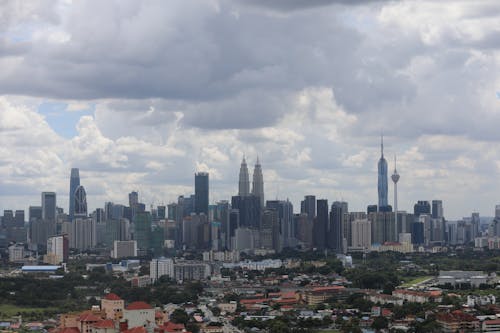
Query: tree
(179, 316)
(380, 323)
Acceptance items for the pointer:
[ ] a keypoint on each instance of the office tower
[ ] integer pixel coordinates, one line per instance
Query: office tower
(475, 223)
(234, 223)
(99, 215)
(437, 209)
(8, 218)
(371, 209)
(286, 228)
(258, 183)
(80, 204)
(320, 228)
(49, 206)
(269, 231)
(382, 178)
(304, 232)
(74, 182)
(172, 211)
(308, 206)
(185, 206)
(201, 193)
(221, 215)
(117, 230)
(361, 234)
(383, 227)
(142, 231)
(244, 181)
(421, 207)
(347, 224)
(35, 212)
(161, 212)
(19, 218)
(133, 203)
(335, 236)
(249, 210)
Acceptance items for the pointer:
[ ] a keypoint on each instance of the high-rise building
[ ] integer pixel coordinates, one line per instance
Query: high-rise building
(161, 212)
(82, 233)
(421, 207)
(249, 210)
(133, 203)
(74, 182)
(361, 234)
(80, 204)
(382, 178)
(244, 180)
(142, 232)
(201, 193)
(57, 249)
(258, 183)
(19, 218)
(49, 206)
(335, 240)
(161, 267)
(124, 249)
(284, 209)
(308, 206)
(269, 231)
(35, 212)
(437, 209)
(320, 228)
(304, 229)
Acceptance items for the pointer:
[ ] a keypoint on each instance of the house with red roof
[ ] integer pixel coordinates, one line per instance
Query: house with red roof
(113, 306)
(139, 314)
(104, 326)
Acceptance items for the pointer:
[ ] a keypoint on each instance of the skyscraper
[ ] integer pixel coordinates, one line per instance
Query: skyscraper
(133, 202)
(308, 206)
(80, 202)
(258, 182)
(437, 209)
(201, 193)
(382, 178)
(49, 206)
(74, 182)
(244, 182)
(320, 227)
(335, 236)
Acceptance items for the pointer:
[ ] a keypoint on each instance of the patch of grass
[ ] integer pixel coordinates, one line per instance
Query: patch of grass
(9, 310)
(417, 280)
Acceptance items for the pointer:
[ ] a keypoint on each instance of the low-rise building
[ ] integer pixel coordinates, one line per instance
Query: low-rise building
(457, 321)
(139, 314)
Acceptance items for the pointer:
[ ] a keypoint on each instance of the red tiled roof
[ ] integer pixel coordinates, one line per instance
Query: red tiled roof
(492, 322)
(139, 329)
(158, 314)
(112, 297)
(171, 327)
(88, 316)
(254, 301)
(139, 306)
(330, 288)
(69, 330)
(108, 323)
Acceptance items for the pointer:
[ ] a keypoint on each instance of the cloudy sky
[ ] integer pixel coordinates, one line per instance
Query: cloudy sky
(140, 95)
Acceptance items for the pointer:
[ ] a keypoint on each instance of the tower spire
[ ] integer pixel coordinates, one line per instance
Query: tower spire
(382, 144)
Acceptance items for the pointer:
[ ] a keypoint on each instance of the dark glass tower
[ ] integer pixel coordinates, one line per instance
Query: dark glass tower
(74, 182)
(201, 193)
(382, 179)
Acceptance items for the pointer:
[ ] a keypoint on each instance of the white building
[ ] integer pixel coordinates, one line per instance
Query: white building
(139, 314)
(57, 249)
(124, 249)
(161, 267)
(16, 253)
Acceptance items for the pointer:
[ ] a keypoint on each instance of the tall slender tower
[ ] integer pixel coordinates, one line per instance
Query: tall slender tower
(74, 182)
(382, 178)
(258, 183)
(395, 179)
(244, 182)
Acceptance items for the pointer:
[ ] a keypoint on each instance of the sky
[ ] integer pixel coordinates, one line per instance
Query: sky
(142, 94)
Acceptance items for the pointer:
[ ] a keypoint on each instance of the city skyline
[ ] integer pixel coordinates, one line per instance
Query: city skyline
(171, 89)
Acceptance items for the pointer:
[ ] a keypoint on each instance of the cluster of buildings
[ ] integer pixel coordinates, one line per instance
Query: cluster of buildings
(246, 222)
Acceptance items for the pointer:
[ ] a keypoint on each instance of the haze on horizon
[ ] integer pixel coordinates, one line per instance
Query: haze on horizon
(140, 95)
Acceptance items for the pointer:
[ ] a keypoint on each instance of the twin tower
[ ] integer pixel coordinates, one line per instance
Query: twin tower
(257, 184)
